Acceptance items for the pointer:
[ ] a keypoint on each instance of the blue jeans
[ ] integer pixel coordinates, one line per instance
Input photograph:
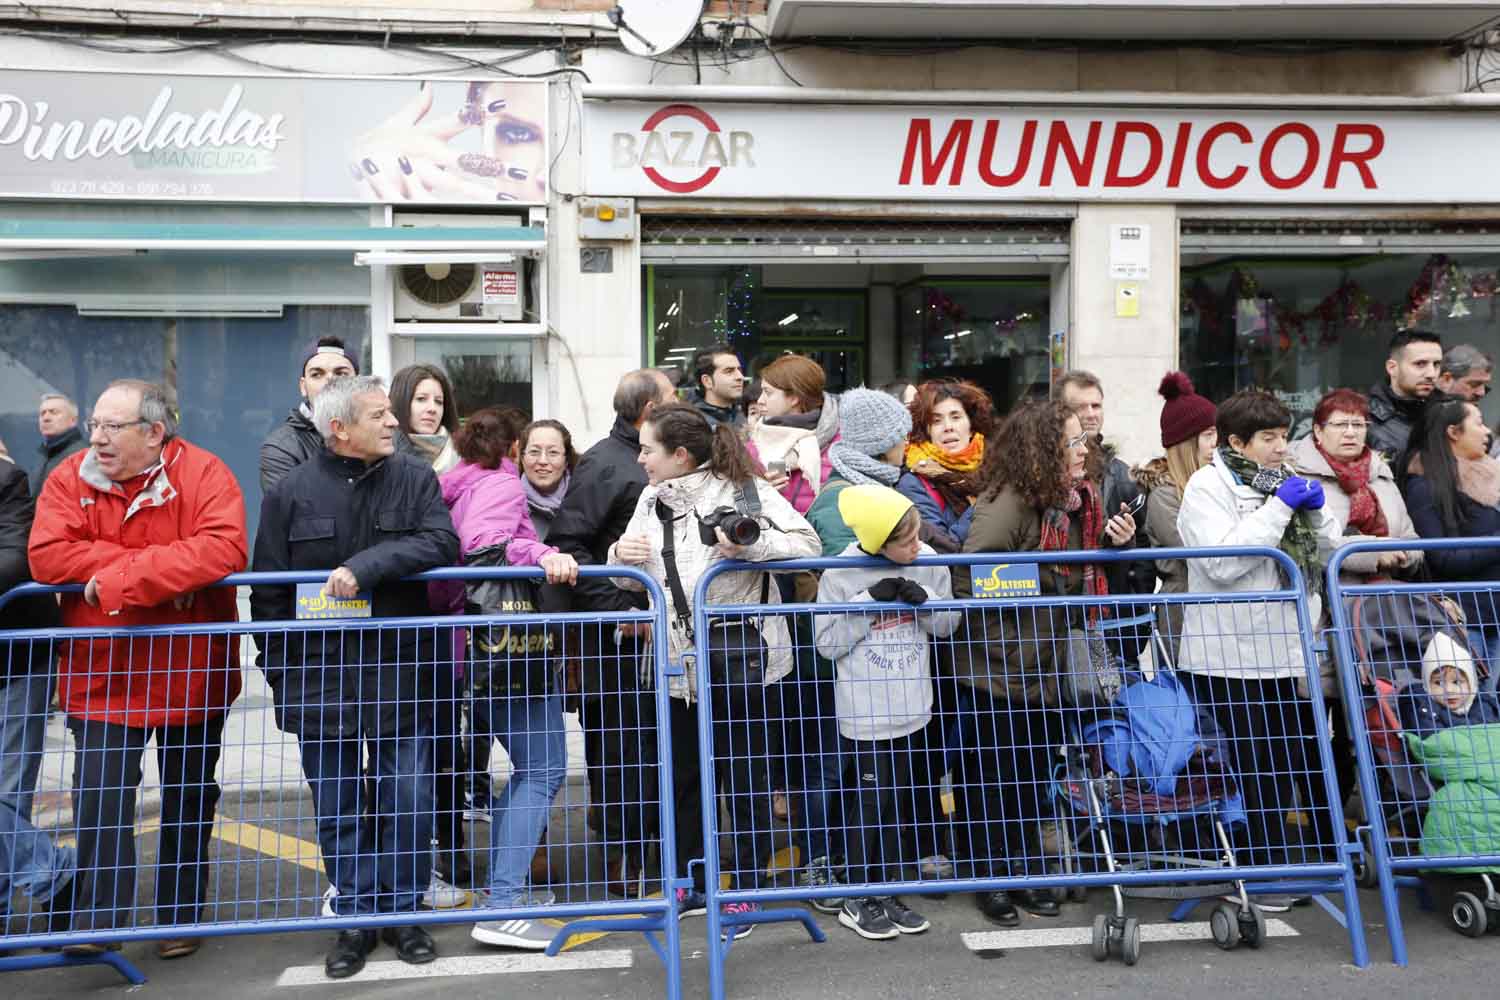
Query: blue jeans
(29, 861)
(1484, 640)
(379, 859)
(818, 777)
(531, 730)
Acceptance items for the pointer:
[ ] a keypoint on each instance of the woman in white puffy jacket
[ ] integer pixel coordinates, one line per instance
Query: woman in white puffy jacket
(694, 470)
(1243, 660)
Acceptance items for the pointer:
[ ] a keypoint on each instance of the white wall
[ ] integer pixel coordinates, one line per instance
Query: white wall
(1130, 355)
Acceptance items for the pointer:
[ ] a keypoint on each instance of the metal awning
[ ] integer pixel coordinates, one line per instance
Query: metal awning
(1227, 20)
(29, 234)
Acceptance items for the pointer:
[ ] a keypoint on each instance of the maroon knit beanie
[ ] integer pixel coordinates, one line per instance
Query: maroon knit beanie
(1186, 413)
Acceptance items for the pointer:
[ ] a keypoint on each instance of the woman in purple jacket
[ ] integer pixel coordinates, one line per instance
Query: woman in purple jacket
(488, 505)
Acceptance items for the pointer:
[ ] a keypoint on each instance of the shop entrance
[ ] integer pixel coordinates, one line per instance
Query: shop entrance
(872, 302)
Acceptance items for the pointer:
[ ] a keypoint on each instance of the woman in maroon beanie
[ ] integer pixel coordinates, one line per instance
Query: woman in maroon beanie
(1188, 435)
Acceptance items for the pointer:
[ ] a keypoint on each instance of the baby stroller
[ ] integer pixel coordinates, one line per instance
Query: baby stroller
(1151, 765)
(1389, 633)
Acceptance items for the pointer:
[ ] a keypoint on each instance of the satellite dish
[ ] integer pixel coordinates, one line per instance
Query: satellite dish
(655, 27)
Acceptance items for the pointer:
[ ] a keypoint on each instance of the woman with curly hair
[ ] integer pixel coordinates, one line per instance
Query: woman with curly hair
(1040, 493)
(949, 421)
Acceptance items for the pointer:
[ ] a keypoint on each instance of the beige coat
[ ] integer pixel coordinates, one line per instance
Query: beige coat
(1309, 461)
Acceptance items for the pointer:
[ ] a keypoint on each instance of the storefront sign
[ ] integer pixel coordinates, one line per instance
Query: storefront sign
(1038, 153)
(285, 139)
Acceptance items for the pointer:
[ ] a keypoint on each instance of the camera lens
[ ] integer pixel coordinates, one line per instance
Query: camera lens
(742, 531)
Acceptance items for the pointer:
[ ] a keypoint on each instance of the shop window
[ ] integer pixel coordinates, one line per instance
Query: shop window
(1300, 326)
(992, 331)
(691, 307)
(222, 332)
(484, 371)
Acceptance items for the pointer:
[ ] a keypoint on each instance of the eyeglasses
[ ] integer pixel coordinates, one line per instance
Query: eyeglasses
(111, 428)
(1346, 427)
(1077, 442)
(550, 454)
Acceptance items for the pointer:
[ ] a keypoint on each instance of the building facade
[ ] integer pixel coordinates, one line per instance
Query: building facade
(515, 195)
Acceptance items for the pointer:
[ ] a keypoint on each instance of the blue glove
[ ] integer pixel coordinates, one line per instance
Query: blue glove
(1315, 498)
(1297, 492)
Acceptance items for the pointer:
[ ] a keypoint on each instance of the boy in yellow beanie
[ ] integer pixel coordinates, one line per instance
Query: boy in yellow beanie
(883, 689)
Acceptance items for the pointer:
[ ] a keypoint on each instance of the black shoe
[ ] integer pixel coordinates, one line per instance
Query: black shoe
(413, 944)
(1038, 904)
(60, 909)
(347, 956)
(998, 907)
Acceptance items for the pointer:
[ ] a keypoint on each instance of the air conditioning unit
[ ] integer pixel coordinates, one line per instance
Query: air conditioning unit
(449, 292)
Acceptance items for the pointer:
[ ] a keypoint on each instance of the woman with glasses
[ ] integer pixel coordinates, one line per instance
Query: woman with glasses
(1040, 493)
(547, 464)
(1362, 496)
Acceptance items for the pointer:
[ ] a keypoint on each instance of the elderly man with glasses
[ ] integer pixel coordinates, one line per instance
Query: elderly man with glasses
(146, 522)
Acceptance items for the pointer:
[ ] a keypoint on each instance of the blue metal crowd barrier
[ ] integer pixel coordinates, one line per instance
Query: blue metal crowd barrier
(577, 899)
(1383, 629)
(1077, 795)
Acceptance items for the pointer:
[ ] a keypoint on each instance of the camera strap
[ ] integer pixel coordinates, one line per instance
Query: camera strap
(669, 559)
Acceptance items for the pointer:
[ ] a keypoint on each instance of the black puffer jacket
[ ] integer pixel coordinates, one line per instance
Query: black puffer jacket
(1120, 487)
(384, 522)
(600, 502)
(53, 452)
(1391, 420)
(287, 447)
(16, 511)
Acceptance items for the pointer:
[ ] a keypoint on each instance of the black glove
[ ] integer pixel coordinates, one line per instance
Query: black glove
(894, 588)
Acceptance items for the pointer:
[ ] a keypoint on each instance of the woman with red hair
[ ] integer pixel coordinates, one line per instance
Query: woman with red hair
(949, 421)
(1359, 485)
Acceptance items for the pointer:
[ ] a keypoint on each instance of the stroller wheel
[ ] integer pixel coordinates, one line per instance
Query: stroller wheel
(1253, 926)
(1365, 875)
(1130, 941)
(1467, 915)
(1224, 923)
(1101, 938)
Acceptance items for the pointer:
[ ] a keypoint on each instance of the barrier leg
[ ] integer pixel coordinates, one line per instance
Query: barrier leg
(113, 959)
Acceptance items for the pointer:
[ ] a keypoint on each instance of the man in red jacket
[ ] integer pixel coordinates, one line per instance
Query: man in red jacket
(145, 521)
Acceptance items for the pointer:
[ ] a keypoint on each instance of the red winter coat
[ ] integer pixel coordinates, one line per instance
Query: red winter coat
(169, 532)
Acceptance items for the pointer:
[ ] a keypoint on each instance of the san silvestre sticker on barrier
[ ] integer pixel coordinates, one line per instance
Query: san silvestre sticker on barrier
(1069, 153)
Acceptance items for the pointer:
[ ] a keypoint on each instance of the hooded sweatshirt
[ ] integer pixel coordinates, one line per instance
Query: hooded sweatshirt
(488, 508)
(883, 690)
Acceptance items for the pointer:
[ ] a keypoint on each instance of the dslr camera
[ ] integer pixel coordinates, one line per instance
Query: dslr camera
(738, 528)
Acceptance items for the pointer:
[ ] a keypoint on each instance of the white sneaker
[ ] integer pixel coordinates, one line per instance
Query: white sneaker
(442, 896)
(530, 935)
(328, 897)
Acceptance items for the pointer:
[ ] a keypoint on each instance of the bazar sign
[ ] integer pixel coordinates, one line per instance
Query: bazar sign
(314, 139)
(1037, 153)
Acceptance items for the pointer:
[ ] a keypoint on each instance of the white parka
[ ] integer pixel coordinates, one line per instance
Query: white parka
(1241, 640)
(785, 534)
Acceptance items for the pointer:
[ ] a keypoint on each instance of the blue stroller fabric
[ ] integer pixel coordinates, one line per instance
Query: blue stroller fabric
(1158, 739)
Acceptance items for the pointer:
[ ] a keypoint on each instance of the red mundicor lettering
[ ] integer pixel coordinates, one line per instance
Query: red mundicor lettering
(1059, 139)
(1310, 150)
(1205, 149)
(1340, 153)
(955, 146)
(987, 154)
(1123, 132)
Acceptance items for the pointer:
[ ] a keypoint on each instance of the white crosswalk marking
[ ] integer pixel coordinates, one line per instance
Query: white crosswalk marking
(464, 965)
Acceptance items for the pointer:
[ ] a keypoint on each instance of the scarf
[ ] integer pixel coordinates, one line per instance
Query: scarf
(859, 468)
(1058, 522)
(1479, 479)
(1300, 539)
(1365, 515)
(963, 463)
(951, 475)
(436, 449)
(547, 503)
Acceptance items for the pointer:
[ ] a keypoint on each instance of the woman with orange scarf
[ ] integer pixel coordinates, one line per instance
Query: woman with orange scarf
(950, 419)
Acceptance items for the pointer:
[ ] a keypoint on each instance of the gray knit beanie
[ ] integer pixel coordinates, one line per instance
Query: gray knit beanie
(871, 422)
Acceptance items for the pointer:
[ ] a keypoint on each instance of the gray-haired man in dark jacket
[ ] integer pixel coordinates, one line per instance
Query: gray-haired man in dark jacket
(377, 517)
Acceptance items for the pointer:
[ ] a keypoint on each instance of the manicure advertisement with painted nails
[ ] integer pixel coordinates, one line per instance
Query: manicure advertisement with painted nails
(266, 138)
